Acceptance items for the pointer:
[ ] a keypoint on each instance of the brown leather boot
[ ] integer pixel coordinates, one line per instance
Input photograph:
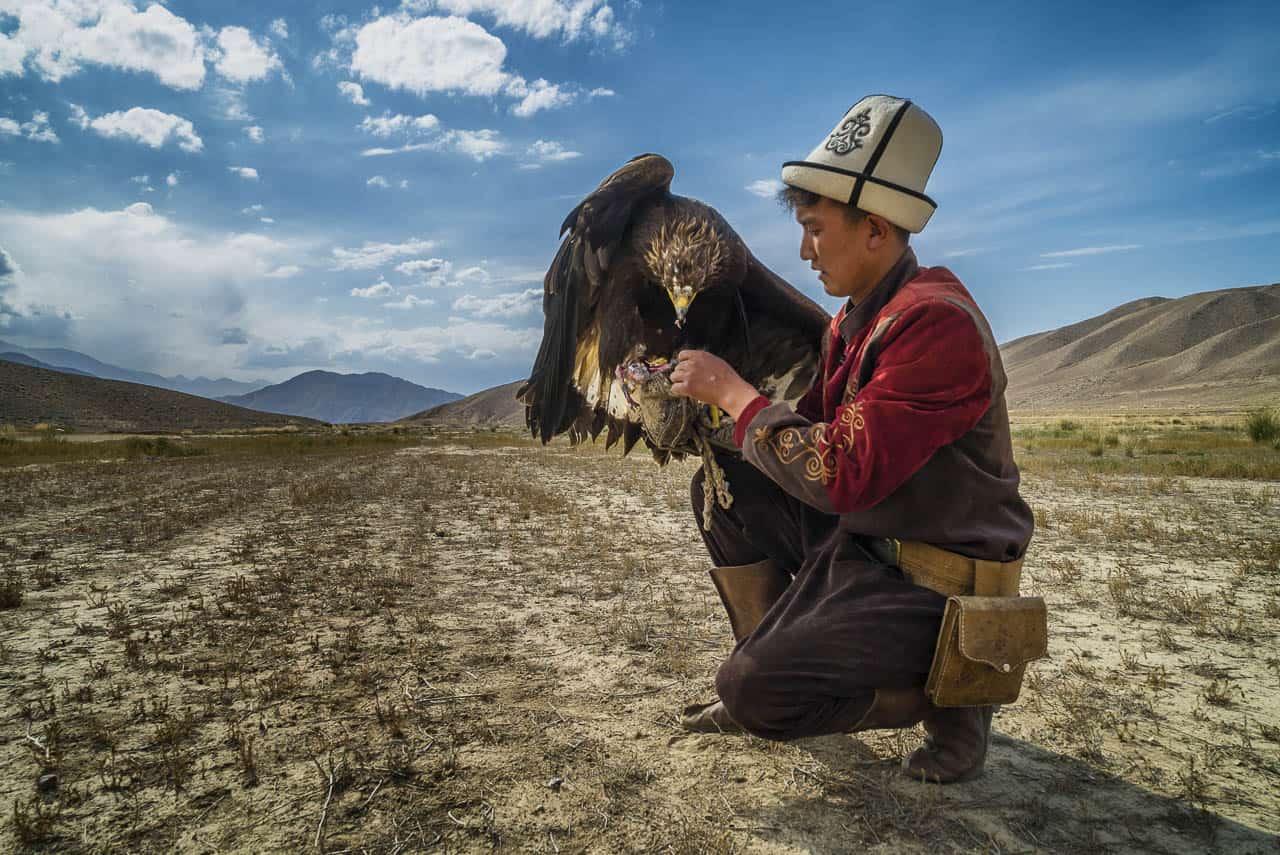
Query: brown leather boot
(708, 718)
(747, 591)
(955, 745)
(894, 709)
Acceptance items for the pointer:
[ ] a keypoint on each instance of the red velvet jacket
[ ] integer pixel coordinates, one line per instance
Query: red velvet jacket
(905, 433)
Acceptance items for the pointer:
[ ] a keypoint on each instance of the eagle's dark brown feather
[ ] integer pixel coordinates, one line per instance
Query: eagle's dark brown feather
(629, 249)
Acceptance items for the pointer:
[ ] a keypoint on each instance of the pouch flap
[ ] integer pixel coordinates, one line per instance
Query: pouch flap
(1003, 632)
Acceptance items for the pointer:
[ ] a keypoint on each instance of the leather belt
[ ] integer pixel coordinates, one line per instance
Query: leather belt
(949, 573)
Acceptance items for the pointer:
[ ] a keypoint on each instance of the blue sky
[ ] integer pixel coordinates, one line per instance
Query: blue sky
(250, 190)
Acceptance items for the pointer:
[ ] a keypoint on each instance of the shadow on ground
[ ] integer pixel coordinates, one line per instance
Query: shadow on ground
(1030, 800)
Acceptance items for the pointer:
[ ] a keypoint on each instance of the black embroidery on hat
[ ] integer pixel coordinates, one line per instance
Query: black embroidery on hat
(850, 133)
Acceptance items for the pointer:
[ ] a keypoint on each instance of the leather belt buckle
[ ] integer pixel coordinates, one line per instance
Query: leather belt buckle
(886, 549)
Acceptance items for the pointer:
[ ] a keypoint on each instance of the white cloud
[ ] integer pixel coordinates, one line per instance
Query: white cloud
(246, 172)
(540, 95)
(601, 92)
(60, 37)
(481, 144)
(142, 124)
(386, 124)
(372, 255)
(379, 289)
(267, 220)
(381, 151)
(36, 130)
(12, 52)
(254, 133)
(141, 179)
(1269, 155)
(404, 183)
(1091, 250)
(439, 273)
(963, 253)
(252, 209)
(765, 188)
(243, 59)
(517, 305)
(353, 92)
(473, 274)
(423, 55)
(8, 267)
(162, 290)
(171, 179)
(1058, 266)
(231, 100)
(570, 19)
(284, 271)
(378, 181)
(280, 28)
(424, 266)
(410, 301)
(547, 151)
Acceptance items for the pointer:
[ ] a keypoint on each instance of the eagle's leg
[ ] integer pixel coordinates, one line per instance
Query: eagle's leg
(716, 485)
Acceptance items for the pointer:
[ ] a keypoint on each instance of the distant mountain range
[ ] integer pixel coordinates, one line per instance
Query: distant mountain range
(23, 359)
(321, 395)
(61, 359)
(30, 395)
(343, 398)
(1214, 349)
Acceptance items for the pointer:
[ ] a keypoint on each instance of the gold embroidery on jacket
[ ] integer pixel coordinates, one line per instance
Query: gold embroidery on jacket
(790, 445)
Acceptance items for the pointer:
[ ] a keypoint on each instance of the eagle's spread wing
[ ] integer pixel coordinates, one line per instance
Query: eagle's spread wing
(786, 334)
(606, 318)
(553, 396)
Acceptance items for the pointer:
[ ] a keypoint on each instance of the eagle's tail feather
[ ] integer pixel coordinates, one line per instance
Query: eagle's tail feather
(549, 391)
(614, 434)
(630, 436)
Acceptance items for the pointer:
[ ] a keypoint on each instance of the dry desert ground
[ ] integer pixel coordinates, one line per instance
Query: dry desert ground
(463, 641)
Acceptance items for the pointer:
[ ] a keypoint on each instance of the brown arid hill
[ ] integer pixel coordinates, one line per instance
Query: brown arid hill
(496, 407)
(29, 396)
(1214, 350)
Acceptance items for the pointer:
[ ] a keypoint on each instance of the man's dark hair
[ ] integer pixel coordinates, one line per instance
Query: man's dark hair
(797, 197)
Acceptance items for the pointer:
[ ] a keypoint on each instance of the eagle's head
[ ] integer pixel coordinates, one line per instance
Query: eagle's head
(685, 257)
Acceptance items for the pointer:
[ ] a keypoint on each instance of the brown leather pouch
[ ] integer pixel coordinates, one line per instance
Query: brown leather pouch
(983, 649)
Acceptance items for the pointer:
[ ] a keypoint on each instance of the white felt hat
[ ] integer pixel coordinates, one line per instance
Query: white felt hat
(877, 159)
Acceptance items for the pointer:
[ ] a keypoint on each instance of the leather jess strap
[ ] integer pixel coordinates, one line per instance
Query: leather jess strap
(949, 573)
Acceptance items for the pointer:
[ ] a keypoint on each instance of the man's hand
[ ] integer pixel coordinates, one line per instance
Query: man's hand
(707, 378)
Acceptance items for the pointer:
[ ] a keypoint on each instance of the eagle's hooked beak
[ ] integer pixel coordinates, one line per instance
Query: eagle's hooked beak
(681, 303)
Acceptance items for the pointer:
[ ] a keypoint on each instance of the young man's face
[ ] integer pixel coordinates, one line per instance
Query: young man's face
(835, 245)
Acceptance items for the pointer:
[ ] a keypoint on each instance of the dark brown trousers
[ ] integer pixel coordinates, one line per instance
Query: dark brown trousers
(847, 624)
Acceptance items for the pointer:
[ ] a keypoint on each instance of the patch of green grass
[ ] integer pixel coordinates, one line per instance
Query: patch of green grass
(1262, 425)
(275, 446)
(1156, 447)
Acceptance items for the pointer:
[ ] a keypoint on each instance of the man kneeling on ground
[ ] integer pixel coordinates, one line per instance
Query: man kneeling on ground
(902, 442)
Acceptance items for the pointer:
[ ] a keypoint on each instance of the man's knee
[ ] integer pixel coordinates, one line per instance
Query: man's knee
(751, 697)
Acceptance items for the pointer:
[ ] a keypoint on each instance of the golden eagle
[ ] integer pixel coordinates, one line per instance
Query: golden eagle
(642, 275)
